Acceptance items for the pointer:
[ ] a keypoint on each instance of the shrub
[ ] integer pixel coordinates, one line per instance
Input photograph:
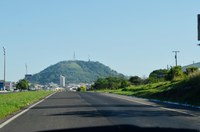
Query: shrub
(175, 74)
(125, 83)
(110, 83)
(82, 89)
(194, 79)
(158, 76)
(191, 70)
(135, 80)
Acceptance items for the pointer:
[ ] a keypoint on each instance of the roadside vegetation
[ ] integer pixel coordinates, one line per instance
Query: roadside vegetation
(166, 85)
(12, 102)
(81, 89)
(22, 85)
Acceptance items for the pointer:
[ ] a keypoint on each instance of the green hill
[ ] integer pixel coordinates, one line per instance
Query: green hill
(74, 72)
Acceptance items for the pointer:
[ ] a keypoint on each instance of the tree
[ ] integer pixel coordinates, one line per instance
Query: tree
(125, 83)
(135, 80)
(22, 85)
(101, 83)
(158, 75)
(111, 83)
(175, 73)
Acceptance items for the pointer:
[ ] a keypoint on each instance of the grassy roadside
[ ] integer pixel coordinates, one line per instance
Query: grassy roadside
(181, 92)
(10, 103)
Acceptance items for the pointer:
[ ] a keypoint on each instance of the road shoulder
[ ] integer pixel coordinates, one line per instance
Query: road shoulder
(184, 109)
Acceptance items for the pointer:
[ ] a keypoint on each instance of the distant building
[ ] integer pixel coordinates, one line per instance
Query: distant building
(28, 76)
(9, 86)
(1, 85)
(62, 81)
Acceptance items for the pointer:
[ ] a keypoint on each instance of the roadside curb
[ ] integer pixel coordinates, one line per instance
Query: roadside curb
(184, 110)
(160, 101)
(174, 103)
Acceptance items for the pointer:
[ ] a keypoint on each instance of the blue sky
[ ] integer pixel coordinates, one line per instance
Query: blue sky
(133, 37)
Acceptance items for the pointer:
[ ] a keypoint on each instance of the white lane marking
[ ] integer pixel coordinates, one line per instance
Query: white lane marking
(169, 109)
(14, 117)
(174, 110)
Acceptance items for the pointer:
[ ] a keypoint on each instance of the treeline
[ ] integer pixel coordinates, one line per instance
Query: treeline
(110, 83)
(174, 74)
(116, 82)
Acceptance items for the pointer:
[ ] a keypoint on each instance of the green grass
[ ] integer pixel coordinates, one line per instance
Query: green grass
(142, 90)
(10, 103)
(185, 91)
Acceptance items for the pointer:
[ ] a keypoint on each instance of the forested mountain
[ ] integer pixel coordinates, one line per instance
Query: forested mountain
(74, 72)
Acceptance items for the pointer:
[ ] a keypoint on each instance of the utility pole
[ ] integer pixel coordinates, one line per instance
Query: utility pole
(176, 58)
(4, 83)
(26, 69)
(198, 26)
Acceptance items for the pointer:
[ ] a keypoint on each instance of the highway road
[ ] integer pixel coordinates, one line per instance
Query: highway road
(95, 112)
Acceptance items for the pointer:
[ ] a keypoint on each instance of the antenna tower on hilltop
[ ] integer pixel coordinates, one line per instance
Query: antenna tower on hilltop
(74, 57)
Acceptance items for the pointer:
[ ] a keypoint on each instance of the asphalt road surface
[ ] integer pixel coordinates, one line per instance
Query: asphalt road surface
(97, 112)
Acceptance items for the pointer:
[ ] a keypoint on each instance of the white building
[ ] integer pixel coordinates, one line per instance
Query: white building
(62, 81)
